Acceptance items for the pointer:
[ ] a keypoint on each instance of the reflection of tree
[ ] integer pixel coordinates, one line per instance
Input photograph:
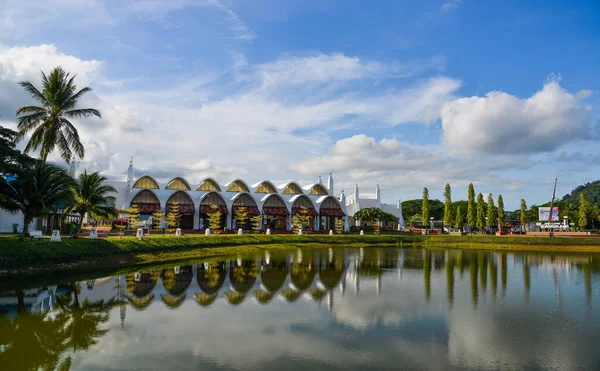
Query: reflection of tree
(264, 297)
(450, 265)
(587, 278)
(427, 273)
(494, 276)
(302, 275)
(474, 284)
(526, 276)
(291, 295)
(503, 272)
(32, 342)
(235, 298)
(205, 300)
(482, 265)
(243, 276)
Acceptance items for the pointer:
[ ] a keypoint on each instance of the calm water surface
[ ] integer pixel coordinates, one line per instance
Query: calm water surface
(315, 309)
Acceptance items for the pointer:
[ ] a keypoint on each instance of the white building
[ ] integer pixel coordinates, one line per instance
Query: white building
(276, 204)
(358, 201)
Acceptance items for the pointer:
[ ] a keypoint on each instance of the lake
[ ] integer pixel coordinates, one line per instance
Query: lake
(313, 309)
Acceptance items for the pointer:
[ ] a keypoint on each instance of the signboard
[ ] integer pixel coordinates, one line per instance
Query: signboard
(544, 214)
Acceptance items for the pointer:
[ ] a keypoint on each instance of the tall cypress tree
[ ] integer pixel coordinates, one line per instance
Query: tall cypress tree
(425, 208)
(471, 206)
(490, 211)
(458, 221)
(500, 213)
(523, 215)
(583, 205)
(448, 205)
(480, 222)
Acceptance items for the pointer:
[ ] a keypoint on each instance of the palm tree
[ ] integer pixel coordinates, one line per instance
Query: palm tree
(50, 122)
(91, 196)
(38, 189)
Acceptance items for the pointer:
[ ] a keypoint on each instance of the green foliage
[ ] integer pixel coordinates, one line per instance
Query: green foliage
(523, 212)
(301, 220)
(173, 217)
(241, 217)
(49, 123)
(471, 206)
(370, 214)
(157, 218)
(11, 159)
(214, 219)
(591, 192)
(38, 189)
(339, 226)
(480, 222)
(425, 208)
(491, 215)
(133, 217)
(255, 222)
(376, 226)
(448, 205)
(583, 206)
(459, 219)
(501, 214)
(92, 196)
(413, 207)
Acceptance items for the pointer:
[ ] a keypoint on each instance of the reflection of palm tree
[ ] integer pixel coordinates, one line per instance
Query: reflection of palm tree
(83, 321)
(32, 341)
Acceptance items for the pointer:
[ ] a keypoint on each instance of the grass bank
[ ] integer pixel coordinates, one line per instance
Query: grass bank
(42, 254)
(516, 243)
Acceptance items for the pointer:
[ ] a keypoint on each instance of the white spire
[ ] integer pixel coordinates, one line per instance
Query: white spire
(319, 180)
(72, 167)
(330, 184)
(342, 197)
(377, 192)
(356, 194)
(130, 171)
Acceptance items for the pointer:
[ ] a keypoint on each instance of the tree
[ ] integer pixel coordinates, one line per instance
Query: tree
(583, 205)
(425, 208)
(458, 221)
(376, 226)
(480, 212)
(491, 217)
(241, 217)
(49, 122)
(91, 196)
(471, 207)
(214, 218)
(523, 214)
(173, 217)
(133, 216)
(339, 226)
(414, 207)
(448, 205)
(372, 213)
(37, 190)
(11, 159)
(501, 216)
(255, 222)
(157, 218)
(301, 220)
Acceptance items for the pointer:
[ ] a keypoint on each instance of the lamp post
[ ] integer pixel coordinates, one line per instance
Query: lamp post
(486, 223)
(431, 222)
(566, 222)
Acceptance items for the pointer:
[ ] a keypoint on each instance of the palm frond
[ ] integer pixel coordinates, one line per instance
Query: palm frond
(83, 113)
(30, 109)
(74, 99)
(34, 92)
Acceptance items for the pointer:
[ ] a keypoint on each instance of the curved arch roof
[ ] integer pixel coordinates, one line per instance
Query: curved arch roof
(284, 186)
(146, 181)
(143, 191)
(264, 183)
(309, 189)
(178, 183)
(213, 182)
(239, 182)
(297, 197)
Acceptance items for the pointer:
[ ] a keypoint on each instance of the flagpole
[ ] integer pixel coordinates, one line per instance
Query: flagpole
(552, 205)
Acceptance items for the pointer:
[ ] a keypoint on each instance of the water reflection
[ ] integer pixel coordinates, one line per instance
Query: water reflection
(325, 308)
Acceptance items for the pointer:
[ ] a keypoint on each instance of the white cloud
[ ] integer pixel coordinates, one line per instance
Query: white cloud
(584, 93)
(504, 123)
(451, 4)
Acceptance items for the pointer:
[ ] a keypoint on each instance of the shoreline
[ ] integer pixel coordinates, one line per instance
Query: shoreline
(42, 256)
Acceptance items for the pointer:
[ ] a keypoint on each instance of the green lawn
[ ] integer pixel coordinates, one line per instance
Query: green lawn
(42, 254)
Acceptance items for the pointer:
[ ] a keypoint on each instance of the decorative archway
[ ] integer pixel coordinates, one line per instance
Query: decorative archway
(147, 182)
(291, 188)
(207, 201)
(178, 183)
(329, 211)
(317, 189)
(264, 187)
(146, 201)
(186, 208)
(243, 200)
(274, 212)
(209, 184)
(237, 185)
(303, 204)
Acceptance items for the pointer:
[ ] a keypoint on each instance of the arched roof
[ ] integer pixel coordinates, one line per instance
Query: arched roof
(143, 286)
(180, 197)
(235, 298)
(236, 185)
(291, 188)
(173, 302)
(316, 189)
(241, 197)
(210, 280)
(140, 304)
(330, 202)
(263, 297)
(145, 196)
(206, 196)
(177, 283)
(273, 276)
(331, 275)
(242, 277)
(298, 198)
(205, 300)
(208, 184)
(146, 181)
(302, 275)
(264, 187)
(178, 183)
(273, 195)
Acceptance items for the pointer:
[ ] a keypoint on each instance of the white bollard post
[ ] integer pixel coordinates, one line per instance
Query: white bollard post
(93, 234)
(362, 233)
(207, 232)
(140, 233)
(55, 236)
(331, 232)
(268, 231)
(178, 232)
(240, 232)
(300, 233)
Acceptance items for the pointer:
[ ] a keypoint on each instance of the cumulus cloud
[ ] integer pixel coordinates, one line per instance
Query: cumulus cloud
(504, 123)
(451, 4)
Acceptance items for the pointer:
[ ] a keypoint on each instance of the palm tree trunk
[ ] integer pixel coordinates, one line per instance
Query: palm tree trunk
(25, 233)
(20, 301)
(79, 224)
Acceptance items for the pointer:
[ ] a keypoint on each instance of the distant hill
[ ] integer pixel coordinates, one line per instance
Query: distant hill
(591, 192)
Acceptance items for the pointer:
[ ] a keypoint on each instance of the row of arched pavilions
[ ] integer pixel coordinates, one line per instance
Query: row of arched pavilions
(275, 204)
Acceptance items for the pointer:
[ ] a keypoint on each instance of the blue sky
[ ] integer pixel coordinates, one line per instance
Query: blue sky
(404, 93)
